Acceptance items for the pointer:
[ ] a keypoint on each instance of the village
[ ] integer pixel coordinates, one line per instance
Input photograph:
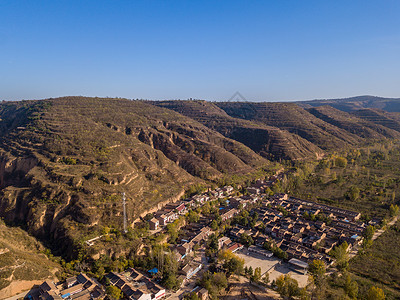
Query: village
(285, 235)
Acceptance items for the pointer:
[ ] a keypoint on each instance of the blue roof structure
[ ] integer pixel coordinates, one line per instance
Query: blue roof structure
(153, 271)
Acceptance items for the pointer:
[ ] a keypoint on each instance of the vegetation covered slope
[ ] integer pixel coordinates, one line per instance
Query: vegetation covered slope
(22, 259)
(389, 120)
(268, 141)
(291, 117)
(381, 261)
(364, 180)
(64, 162)
(365, 128)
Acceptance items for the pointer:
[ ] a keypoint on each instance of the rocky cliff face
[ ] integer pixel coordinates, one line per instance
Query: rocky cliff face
(14, 170)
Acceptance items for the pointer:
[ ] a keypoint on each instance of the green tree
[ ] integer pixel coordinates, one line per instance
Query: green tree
(246, 239)
(100, 272)
(220, 281)
(234, 266)
(375, 293)
(353, 193)
(171, 281)
(265, 279)
(191, 296)
(287, 286)
(317, 270)
(279, 253)
(212, 245)
(193, 217)
(341, 256)
(206, 208)
(148, 217)
(214, 225)
(257, 275)
(114, 292)
(214, 283)
(173, 232)
(351, 287)
(369, 232)
(394, 210)
(106, 230)
(317, 267)
(341, 162)
(268, 245)
(169, 269)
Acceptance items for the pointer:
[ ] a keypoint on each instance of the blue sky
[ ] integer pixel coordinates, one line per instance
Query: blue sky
(266, 50)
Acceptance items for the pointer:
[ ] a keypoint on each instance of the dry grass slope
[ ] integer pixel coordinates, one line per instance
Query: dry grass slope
(21, 258)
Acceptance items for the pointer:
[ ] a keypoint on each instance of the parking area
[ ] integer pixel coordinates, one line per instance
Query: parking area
(255, 260)
(283, 269)
(274, 266)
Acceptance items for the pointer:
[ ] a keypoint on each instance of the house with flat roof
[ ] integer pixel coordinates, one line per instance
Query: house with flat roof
(162, 219)
(229, 214)
(154, 224)
(191, 269)
(223, 242)
(136, 286)
(235, 247)
(203, 294)
(48, 285)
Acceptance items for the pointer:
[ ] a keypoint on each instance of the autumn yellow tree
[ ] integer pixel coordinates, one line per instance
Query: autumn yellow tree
(375, 293)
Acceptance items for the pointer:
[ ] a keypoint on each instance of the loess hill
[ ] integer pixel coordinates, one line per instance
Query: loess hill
(268, 141)
(291, 117)
(63, 163)
(287, 130)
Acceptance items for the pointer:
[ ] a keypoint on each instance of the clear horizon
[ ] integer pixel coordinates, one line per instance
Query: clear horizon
(195, 99)
(156, 50)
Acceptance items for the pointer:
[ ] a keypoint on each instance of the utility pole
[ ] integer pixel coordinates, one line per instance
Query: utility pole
(124, 205)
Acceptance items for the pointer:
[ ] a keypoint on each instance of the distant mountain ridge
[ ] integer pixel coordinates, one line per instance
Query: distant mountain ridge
(356, 103)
